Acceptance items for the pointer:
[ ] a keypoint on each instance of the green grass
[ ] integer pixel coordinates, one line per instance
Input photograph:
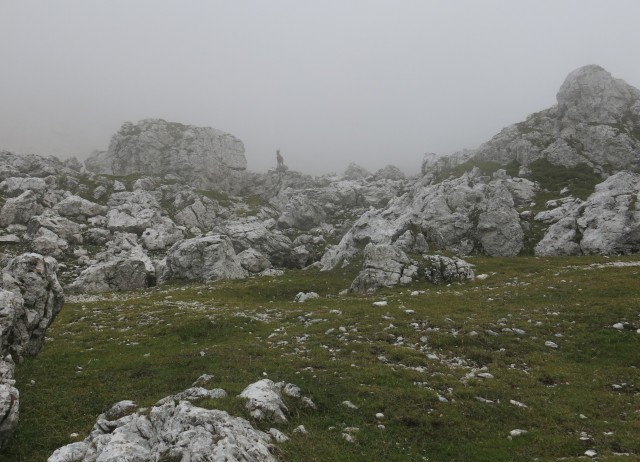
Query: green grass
(149, 344)
(580, 179)
(487, 168)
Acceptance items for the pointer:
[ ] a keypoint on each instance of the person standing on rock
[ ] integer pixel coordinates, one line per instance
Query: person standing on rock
(280, 160)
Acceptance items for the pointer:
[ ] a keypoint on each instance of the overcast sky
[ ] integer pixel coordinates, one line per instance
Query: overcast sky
(328, 82)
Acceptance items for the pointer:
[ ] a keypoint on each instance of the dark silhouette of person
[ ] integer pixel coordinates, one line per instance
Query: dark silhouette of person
(280, 160)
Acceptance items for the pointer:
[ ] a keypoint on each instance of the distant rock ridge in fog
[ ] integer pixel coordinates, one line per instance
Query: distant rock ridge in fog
(596, 122)
(204, 157)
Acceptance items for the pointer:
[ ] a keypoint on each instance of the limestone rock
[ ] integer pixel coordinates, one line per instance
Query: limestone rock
(384, 265)
(75, 207)
(33, 280)
(170, 432)
(18, 210)
(356, 172)
(262, 236)
(111, 276)
(9, 400)
(14, 186)
(162, 236)
(608, 222)
(445, 270)
(253, 261)
(205, 258)
(390, 172)
(203, 157)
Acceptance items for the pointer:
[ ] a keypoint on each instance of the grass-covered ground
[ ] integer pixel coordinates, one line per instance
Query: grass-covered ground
(415, 360)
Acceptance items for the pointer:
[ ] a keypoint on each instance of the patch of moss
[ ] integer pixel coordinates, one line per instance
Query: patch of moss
(581, 179)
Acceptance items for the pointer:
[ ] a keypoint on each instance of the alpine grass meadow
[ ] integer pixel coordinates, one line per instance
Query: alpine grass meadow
(537, 361)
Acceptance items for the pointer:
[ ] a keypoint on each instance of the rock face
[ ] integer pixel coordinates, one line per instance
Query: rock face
(32, 279)
(608, 222)
(202, 259)
(596, 122)
(30, 299)
(203, 157)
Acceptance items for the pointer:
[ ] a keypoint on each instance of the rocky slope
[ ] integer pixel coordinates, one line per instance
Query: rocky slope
(596, 122)
(177, 202)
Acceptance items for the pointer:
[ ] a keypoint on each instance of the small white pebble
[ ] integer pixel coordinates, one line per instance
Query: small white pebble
(517, 432)
(300, 429)
(485, 375)
(379, 416)
(618, 326)
(550, 344)
(380, 303)
(381, 427)
(410, 311)
(146, 355)
(73, 435)
(590, 453)
(582, 416)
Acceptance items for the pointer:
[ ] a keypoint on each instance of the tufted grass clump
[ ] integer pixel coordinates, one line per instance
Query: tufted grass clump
(454, 369)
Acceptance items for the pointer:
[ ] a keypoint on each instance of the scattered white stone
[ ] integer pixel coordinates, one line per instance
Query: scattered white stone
(484, 400)
(380, 303)
(264, 401)
(73, 435)
(517, 432)
(348, 438)
(410, 311)
(582, 416)
(300, 429)
(278, 435)
(349, 404)
(485, 375)
(302, 297)
(379, 416)
(381, 427)
(473, 333)
(518, 404)
(590, 453)
(550, 344)
(482, 277)
(618, 326)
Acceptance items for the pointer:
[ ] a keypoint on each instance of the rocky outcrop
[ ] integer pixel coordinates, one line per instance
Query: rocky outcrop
(596, 122)
(170, 431)
(203, 157)
(355, 172)
(607, 223)
(202, 259)
(19, 210)
(176, 430)
(112, 276)
(30, 299)
(32, 279)
(75, 207)
(387, 265)
(473, 213)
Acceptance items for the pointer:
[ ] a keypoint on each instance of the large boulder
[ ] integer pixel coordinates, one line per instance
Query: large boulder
(76, 207)
(14, 186)
(30, 299)
(203, 157)
(19, 210)
(387, 265)
(32, 279)
(113, 275)
(203, 259)
(262, 236)
(384, 265)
